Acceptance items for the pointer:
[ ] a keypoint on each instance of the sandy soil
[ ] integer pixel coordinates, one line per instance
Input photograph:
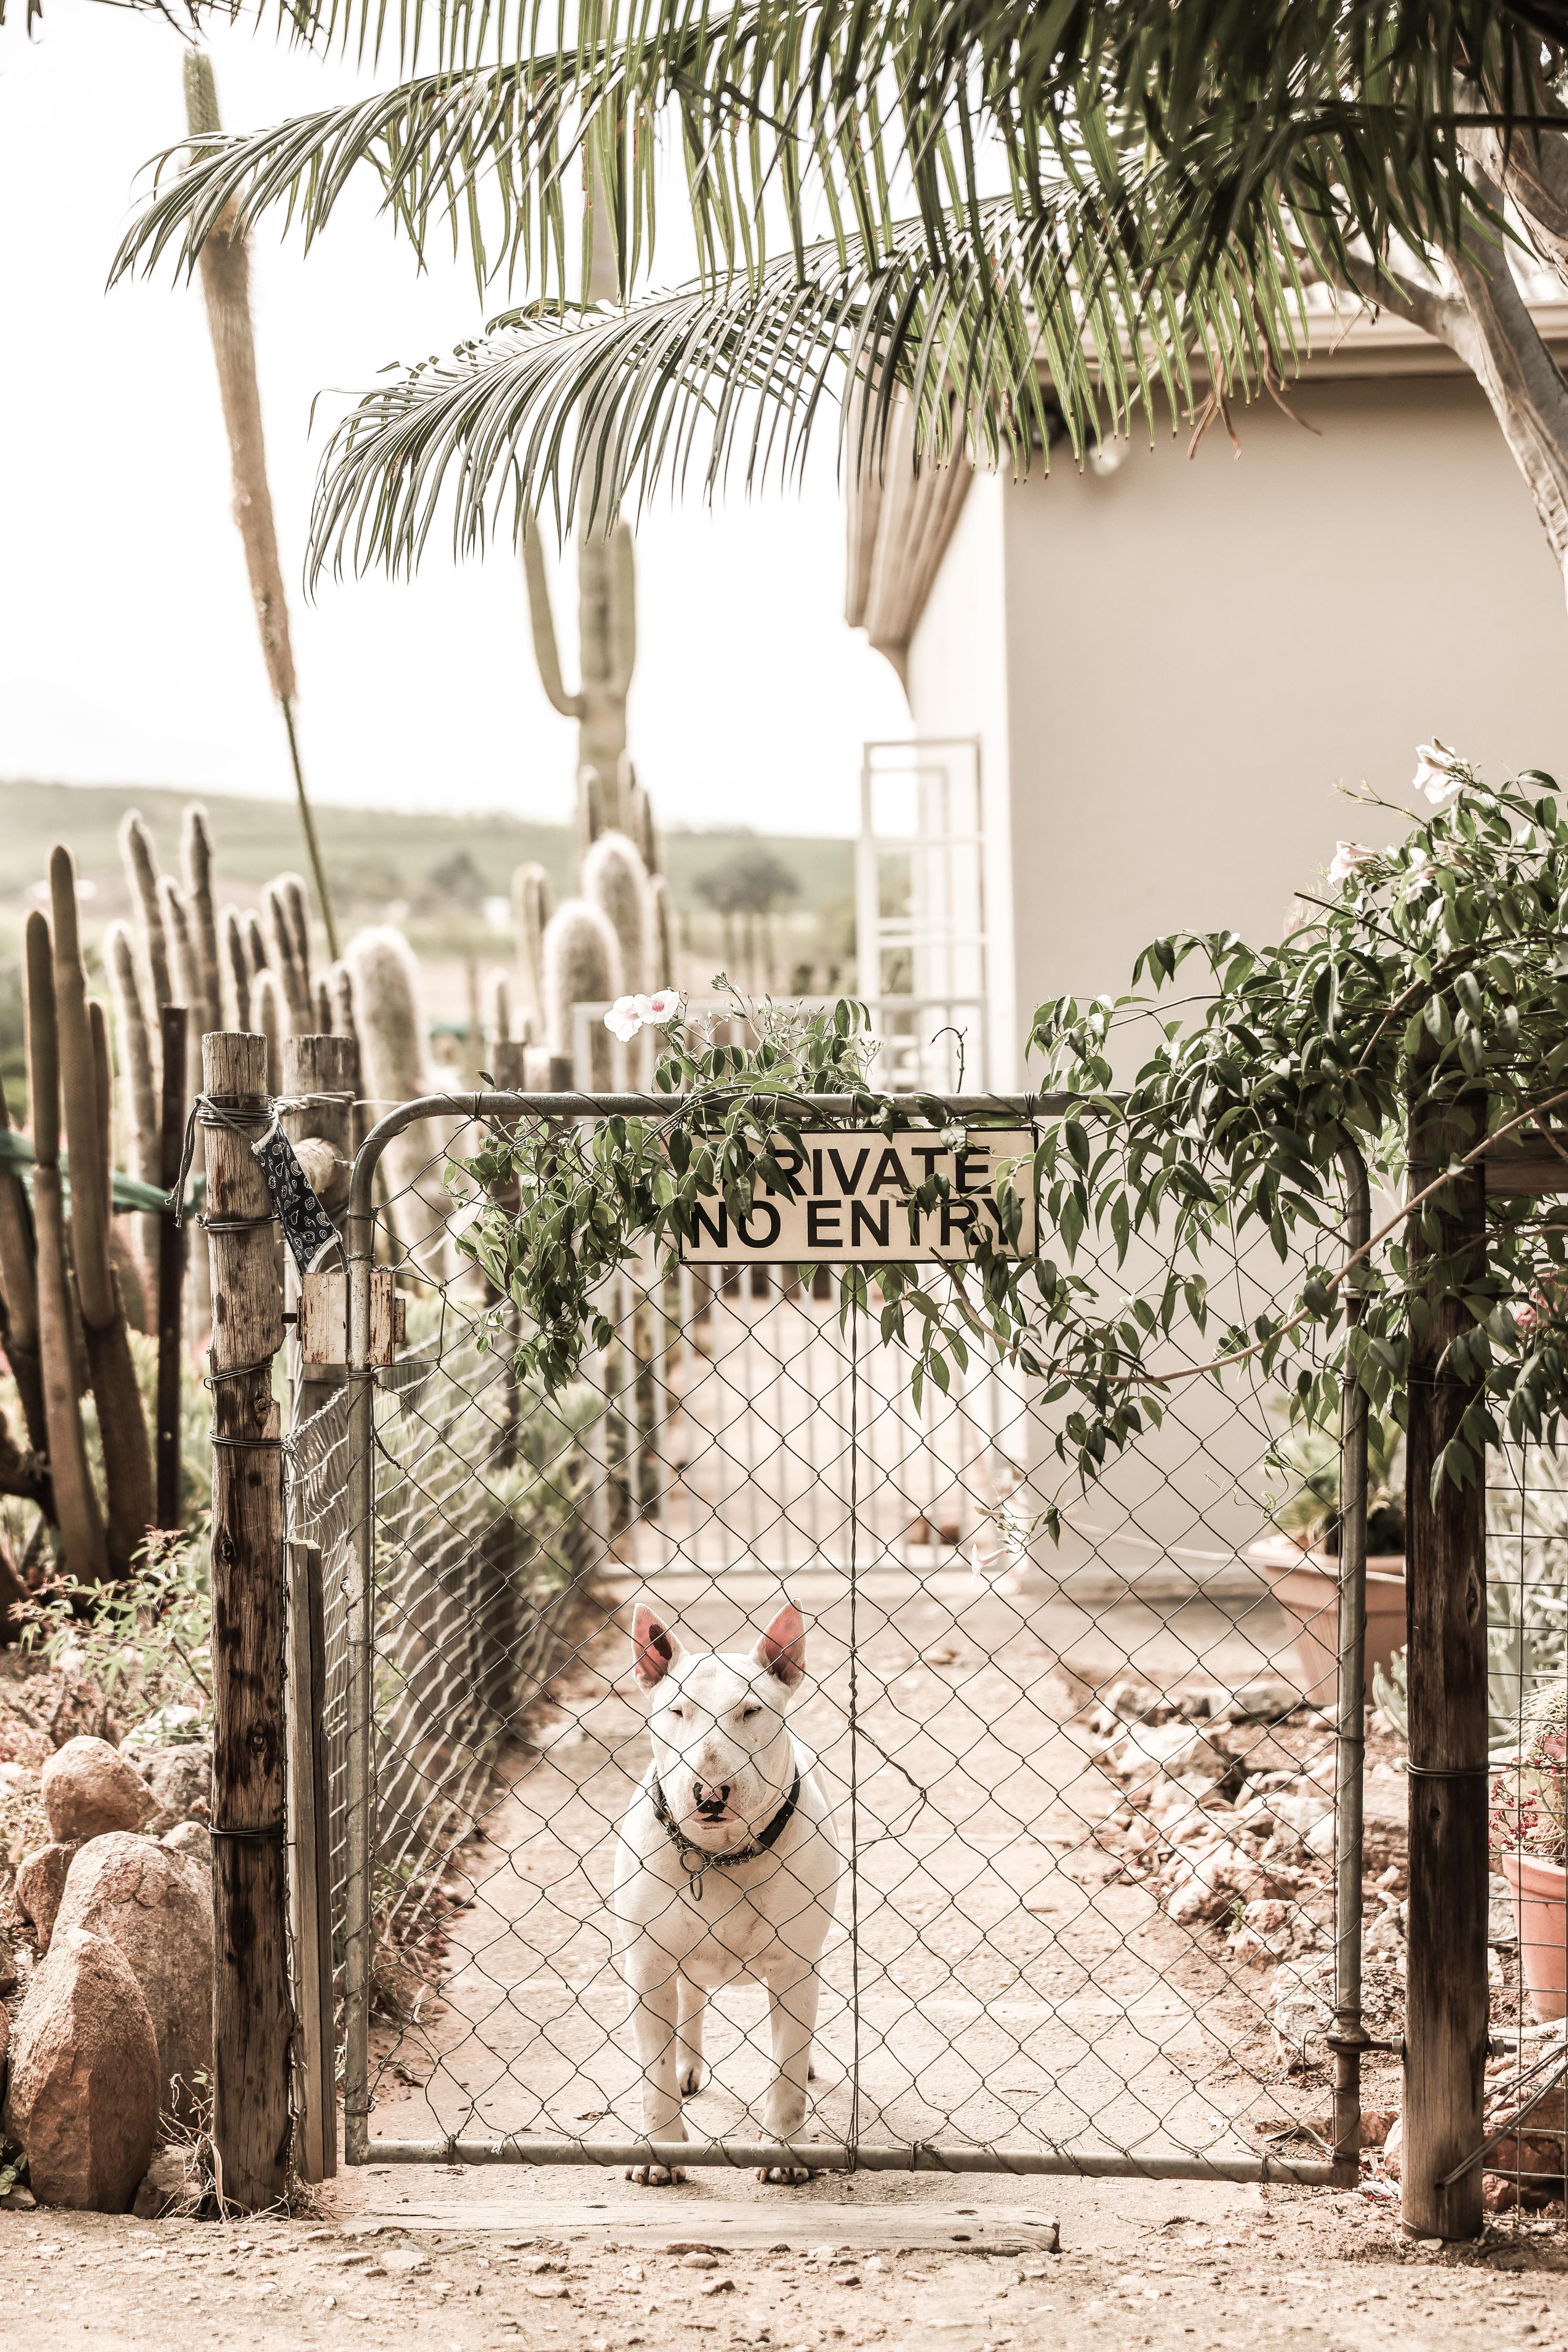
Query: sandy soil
(481, 2261)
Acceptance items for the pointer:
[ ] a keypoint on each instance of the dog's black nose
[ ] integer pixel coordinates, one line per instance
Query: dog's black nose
(711, 1797)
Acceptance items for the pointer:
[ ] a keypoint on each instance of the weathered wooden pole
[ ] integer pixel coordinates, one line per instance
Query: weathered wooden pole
(251, 2013)
(325, 1070)
(172, 1024)
(1446, 1992)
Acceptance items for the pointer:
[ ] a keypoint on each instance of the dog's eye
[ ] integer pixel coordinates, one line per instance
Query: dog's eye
(748, 1712)
(680, 1711)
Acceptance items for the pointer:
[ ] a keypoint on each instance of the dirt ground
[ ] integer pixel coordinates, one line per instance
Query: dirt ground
(574, 2261)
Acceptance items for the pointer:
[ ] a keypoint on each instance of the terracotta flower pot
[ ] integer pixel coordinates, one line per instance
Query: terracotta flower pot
(1539, 1890)
(1306, 1586)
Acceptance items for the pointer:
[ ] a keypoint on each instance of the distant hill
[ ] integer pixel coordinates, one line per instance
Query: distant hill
(374, 857)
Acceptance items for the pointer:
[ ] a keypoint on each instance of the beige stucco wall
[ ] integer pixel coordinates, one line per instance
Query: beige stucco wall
(1185, 659)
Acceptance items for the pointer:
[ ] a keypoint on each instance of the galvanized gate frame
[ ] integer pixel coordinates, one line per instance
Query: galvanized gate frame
(1349, 2037)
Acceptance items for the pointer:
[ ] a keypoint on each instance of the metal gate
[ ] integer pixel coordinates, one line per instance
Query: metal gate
(1099, 1805)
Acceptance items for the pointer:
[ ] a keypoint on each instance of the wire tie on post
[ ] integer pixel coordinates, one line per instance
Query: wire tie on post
(273, 1834)
(251, 1445)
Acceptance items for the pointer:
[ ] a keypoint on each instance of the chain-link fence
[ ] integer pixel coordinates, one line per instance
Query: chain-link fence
(1039, 1857)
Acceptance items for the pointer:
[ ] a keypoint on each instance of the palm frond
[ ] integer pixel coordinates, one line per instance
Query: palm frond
(1163, 169)
(1022, 326)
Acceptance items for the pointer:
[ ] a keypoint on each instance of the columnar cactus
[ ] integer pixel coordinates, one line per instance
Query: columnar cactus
(615, 879)
(76, 1511)
(236, 961)
(142, 867)
(291, 955)
(531, 903)
(661, 931)
(394, 1068)
(607, 653)
(270, 1022)
(84, 1089)
(322, 1000)
(197, 867)
(582, 966)
(497, 1010)
(137, 1082)
(255, 947)
(639, 825)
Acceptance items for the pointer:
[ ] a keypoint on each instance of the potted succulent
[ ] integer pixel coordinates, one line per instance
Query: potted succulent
(1301, 1559)
(1528, 1839)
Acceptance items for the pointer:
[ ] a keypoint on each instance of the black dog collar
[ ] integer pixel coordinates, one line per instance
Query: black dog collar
(695, 1861)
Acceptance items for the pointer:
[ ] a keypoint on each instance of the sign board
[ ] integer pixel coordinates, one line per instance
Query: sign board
(851, 1208)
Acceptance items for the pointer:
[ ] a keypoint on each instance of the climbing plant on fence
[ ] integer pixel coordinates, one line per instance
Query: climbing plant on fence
(1426, 979)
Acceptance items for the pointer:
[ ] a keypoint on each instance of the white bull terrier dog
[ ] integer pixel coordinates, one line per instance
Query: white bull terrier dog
(727, 1866)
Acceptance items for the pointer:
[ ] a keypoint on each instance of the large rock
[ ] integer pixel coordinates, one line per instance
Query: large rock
(40, 1883)
(181, 1779)
(88, 1789)
(83, 2092)
(155, 1908)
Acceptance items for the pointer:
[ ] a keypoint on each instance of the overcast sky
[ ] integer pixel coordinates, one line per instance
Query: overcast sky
(128, 652)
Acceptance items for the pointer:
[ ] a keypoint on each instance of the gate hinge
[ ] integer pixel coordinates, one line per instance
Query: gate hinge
(324, 1316)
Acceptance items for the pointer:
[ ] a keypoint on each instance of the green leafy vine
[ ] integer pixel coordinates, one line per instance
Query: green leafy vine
(1429, 979)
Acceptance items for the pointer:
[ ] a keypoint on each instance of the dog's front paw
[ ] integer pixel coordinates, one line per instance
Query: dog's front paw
(691, 2078)
(783, 2176)
(655, 2175)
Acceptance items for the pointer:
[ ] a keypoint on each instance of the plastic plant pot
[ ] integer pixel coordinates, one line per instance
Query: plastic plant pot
(1539, 1890)
(1306, 1586)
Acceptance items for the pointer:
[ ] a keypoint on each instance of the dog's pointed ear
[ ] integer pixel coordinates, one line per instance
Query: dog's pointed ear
(782, 1648)
(654, 1648)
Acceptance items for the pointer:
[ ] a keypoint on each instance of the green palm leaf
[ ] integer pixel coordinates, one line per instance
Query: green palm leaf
(937, 194)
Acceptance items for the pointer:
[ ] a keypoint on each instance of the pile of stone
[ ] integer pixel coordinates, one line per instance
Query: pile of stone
(115, 2030)
(1227, 1822)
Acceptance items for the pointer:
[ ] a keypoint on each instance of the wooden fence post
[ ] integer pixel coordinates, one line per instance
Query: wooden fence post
(172, 1024)
(316, 2152)
(326, 1067)
(1446, 1992)
(251, 2015)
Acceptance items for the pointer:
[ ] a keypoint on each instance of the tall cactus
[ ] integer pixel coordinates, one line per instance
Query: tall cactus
(257, 953)
(531, 904)
(395, 1067)
(84, 1086)
(582, 966)
(266, 1013)
(639, 825)
(142, 867)
(138, 1081)
(236, 962)
(291, 957)
(615, 879)
(662, 928)
(19, 1296)
(607, 654)
(196, 870)
(497, 1010)
(77, 1509)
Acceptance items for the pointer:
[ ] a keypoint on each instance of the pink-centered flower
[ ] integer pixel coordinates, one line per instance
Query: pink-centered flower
(662, 1006)
(1349, 858)
(623, 1020)
(1437, 771)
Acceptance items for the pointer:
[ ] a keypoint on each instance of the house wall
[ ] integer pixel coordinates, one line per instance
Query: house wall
(1172, 667)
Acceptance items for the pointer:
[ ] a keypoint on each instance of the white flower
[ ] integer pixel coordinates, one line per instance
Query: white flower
(662, 1006)
(1436, 770)
(623, 1020)
(1349, 857)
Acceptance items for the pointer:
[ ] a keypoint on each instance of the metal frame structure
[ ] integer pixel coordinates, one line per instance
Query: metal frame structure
(1348, 2039)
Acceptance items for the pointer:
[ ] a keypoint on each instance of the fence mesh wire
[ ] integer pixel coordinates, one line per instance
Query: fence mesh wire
(1083, 1797)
